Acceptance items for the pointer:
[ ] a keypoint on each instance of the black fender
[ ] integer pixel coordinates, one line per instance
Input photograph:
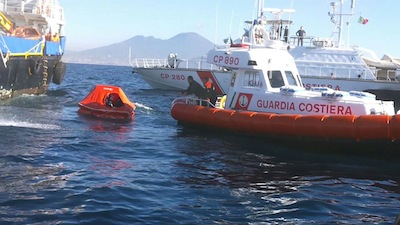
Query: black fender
(34, 66)
(59, 72)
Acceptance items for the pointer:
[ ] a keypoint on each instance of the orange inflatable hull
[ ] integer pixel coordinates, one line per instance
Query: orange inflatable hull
(308, 127)
(125, 113)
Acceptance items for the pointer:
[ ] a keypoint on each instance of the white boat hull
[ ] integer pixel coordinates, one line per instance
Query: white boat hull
(175, 79)
(349, 84)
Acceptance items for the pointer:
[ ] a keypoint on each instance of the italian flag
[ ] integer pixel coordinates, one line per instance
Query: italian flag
(362, 20)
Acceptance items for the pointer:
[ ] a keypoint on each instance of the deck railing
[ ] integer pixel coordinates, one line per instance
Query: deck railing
(197, 63)
(347, 72)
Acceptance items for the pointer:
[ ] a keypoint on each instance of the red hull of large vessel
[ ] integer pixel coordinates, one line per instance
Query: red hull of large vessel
(382, 128)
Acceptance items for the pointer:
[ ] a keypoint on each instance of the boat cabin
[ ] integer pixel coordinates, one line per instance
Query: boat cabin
(267, 80)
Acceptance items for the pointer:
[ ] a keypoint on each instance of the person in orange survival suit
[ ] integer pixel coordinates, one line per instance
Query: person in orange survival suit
(209, 86)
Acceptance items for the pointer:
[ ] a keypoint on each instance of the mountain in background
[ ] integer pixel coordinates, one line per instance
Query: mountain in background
(186, 45)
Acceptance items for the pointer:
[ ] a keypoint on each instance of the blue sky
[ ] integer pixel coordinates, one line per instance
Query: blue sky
(96, 23)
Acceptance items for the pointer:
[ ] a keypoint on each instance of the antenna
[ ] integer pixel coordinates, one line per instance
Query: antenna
(216, 26)
(259, 7)
(353, 3)
(339, 23)
(230, 27)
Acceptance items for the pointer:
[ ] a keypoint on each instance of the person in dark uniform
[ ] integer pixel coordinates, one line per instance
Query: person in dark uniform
(286, 34)
(300, 35)
(195, 88)
(210, 88)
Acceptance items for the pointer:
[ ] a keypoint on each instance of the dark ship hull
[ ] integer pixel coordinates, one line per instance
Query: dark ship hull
(30, 76)
(32, 44)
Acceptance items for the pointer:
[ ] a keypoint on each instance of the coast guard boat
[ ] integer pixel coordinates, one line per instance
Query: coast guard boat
(322, 62)
(267, 98)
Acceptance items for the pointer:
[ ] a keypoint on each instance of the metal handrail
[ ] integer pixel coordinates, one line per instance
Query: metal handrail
(351, 73)
(37, 50)
(189, 100)
(182, 63)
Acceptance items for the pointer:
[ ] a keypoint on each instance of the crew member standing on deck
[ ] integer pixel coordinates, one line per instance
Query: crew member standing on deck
(286, 34)
(300, 35)
(55, 38)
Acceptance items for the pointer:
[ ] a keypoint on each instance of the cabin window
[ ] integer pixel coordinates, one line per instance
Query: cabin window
(275, 79)
(252, 79)
(291, 78)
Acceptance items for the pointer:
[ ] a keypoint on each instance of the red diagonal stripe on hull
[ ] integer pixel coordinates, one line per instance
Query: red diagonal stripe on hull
(209, 74)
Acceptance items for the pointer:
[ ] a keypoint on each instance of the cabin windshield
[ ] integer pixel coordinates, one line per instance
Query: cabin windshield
(291, 78)
(276, 79)
(252, 79)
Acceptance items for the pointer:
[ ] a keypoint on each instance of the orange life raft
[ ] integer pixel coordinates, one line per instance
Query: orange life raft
(304, 127)
(119, 107)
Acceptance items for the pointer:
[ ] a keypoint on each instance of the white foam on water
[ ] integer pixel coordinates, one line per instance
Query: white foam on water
(15, 123)
(140, 105)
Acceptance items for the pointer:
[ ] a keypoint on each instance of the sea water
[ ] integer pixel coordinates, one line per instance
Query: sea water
(58, 167)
